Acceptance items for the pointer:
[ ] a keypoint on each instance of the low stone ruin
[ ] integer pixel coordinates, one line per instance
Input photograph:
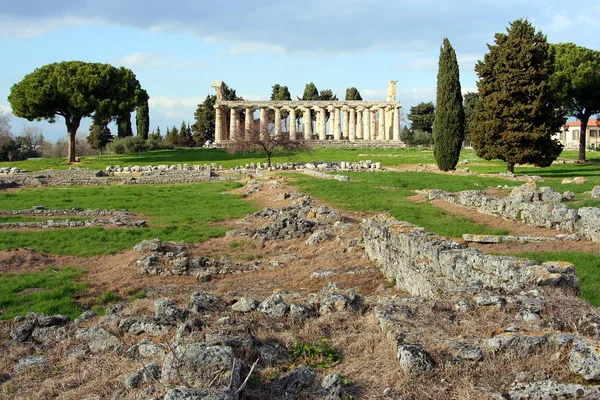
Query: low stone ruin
(212, 349)
(537, 207)
(450, 281)
(112, 175)
(119, 218)
(425, 264)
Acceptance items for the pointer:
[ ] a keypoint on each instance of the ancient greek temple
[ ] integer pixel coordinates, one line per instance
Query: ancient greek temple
(338, 121)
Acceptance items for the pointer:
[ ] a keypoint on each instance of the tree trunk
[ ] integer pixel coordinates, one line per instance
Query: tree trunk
(268, 159)
(584, 118)
(72, 127)
(510, 167)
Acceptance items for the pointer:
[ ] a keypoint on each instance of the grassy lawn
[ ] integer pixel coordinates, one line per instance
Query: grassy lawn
(172, 212)
(387, 192)
(222, 157)
(50, 291)
(587, 266)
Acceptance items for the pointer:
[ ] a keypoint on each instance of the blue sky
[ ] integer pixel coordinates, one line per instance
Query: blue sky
(177, 48)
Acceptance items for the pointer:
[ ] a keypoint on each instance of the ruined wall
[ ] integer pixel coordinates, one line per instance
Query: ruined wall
(426, 264)
(538, 207)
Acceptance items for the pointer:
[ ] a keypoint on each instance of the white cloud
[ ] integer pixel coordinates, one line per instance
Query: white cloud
(5, 109)
(173, 107)
(373, 94)
(421, 64)
(155, 61)
(12, 28)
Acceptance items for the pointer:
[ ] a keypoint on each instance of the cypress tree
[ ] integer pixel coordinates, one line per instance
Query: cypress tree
(449, 122)
(517, 114)
(142, 120)
(124, 125)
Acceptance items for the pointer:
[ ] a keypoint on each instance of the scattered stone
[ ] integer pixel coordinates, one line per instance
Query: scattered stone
(166, 313)
(273, 307)
(148, 373)
(319, 236)
(32, 362)
(584, 359)
(98, 339)
(295, 382)
(85, 316)
(245, 304)
(202, 365)
(596, 192)
(518, 343)
(414, 359)
(201, 301)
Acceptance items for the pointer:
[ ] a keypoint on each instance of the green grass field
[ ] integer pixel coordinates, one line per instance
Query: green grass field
(51, 291)
(172, 212)
(387, 192)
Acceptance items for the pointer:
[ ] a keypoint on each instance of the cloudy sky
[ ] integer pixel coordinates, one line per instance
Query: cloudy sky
(177, 48)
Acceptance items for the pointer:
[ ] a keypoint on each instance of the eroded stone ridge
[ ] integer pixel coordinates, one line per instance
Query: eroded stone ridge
(426, 264)
(537, 207)
(97, 217)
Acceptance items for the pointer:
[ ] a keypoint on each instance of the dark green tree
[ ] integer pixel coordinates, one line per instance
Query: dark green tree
(185, 135)
(353, 94)
(421, 117)
(124, 128)
(156, 134)
(449, 122)
(172, 136)
(517, 114)
(99, 136)
(278, 93)
(310, 92)
(203, 128)
(74, 90)
(576, 84)
(470, 101)
(142, 120)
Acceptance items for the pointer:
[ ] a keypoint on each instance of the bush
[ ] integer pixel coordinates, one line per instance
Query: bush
(136, 144)
(422, 138)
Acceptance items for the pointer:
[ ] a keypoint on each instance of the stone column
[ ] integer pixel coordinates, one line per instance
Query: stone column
(382, 134)
(351, 124)
(347, 123)
(263, 123)
(232, 127)
(249, 120)
(337, 129)
(307, 121)
(218, 124)
(277, 121)
(374, 132)
(331, 120)
(367, 122)
(396, 128)
(292, 117)
(322, 121)
(359, 123)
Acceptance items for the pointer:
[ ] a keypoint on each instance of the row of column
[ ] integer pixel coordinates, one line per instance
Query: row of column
(364, 123)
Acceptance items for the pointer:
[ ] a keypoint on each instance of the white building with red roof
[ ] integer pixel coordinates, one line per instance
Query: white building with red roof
(571, 131)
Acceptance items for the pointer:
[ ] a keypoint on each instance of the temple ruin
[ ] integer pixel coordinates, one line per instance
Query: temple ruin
(368, 122)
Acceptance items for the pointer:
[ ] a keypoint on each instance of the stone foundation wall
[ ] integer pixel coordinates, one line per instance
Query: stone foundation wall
(426, 264)
(538, 207)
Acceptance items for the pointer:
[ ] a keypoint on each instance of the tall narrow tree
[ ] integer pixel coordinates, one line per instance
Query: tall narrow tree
(517, 115)
(124, 125)
(449, 122)
(142, 120)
